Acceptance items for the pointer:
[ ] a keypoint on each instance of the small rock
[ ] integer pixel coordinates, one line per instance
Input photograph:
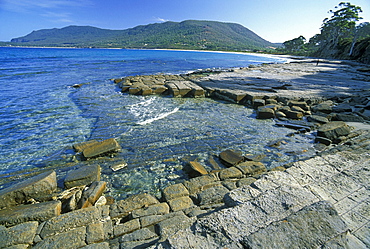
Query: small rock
(251, 168)
(258, 102)
(195, 169)
(92, 194)
(231, 157)
(323, 140)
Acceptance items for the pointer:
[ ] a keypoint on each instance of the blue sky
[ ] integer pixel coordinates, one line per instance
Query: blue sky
(273, 20)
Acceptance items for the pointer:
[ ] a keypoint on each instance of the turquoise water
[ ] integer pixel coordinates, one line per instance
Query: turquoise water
(41, 116)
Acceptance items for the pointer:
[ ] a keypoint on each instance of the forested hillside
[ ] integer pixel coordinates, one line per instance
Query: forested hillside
(189, 34)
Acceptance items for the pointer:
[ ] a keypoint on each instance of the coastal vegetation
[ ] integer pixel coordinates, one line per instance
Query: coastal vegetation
(190, 34)
(341, 36)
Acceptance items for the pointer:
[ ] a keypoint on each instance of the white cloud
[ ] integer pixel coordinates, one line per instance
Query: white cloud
(158, 19)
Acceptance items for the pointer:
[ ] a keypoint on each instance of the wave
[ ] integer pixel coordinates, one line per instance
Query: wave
(160, 116)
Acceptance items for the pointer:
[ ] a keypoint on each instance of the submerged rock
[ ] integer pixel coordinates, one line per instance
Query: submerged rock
(82, 176)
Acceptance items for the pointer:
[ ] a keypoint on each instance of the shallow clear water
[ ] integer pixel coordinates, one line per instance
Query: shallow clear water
(41, 116)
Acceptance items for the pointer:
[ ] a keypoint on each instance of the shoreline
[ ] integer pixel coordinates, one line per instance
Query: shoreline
(319, 189)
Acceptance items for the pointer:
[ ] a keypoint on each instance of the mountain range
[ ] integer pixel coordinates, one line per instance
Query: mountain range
(190, 34)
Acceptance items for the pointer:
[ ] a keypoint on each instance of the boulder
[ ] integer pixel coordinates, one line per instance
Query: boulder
(195, 185)
(97, 149)
(347, 118)
(231, 157)
(33, 212)
(265, 113)
(71, 239)
(37, 187)
(194, 169)
(82, 176)
(333, 130)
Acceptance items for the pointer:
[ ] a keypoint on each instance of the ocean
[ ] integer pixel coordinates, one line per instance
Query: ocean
(42, 116)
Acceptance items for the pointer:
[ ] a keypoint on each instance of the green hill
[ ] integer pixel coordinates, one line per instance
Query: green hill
(189, 34)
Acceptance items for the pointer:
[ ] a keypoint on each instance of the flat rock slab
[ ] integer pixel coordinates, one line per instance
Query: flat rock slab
(35, 187)
(21, 234)
(333, 130)
(35, 212)
(308, 228)
(99, 148)
(82, 176)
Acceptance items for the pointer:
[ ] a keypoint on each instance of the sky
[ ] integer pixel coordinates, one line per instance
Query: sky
(273, 20)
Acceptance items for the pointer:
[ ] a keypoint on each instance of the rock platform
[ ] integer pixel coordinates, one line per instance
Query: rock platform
(320, 202)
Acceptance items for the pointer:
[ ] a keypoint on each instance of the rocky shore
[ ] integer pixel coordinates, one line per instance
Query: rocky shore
(321, 202)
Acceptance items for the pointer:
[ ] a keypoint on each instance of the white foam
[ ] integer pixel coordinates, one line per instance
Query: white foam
(160, 116)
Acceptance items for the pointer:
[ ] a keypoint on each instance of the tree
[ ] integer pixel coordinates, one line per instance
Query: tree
(295, 44)
(341, 25)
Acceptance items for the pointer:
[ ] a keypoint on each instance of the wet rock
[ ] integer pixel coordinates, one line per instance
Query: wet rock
(100, 148)
(124, 207)
(317, 119)
(194, 169)
(18, 235)
(82, 176)
(251, 168)
(265, 113)
(333, 130)
(68, 221)
(180, 203)
(81, 146)
(92, 194)
(33, 212)
(230, 173)
(174, 191)
(231, 157)
(343, 108)
(37, 187)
